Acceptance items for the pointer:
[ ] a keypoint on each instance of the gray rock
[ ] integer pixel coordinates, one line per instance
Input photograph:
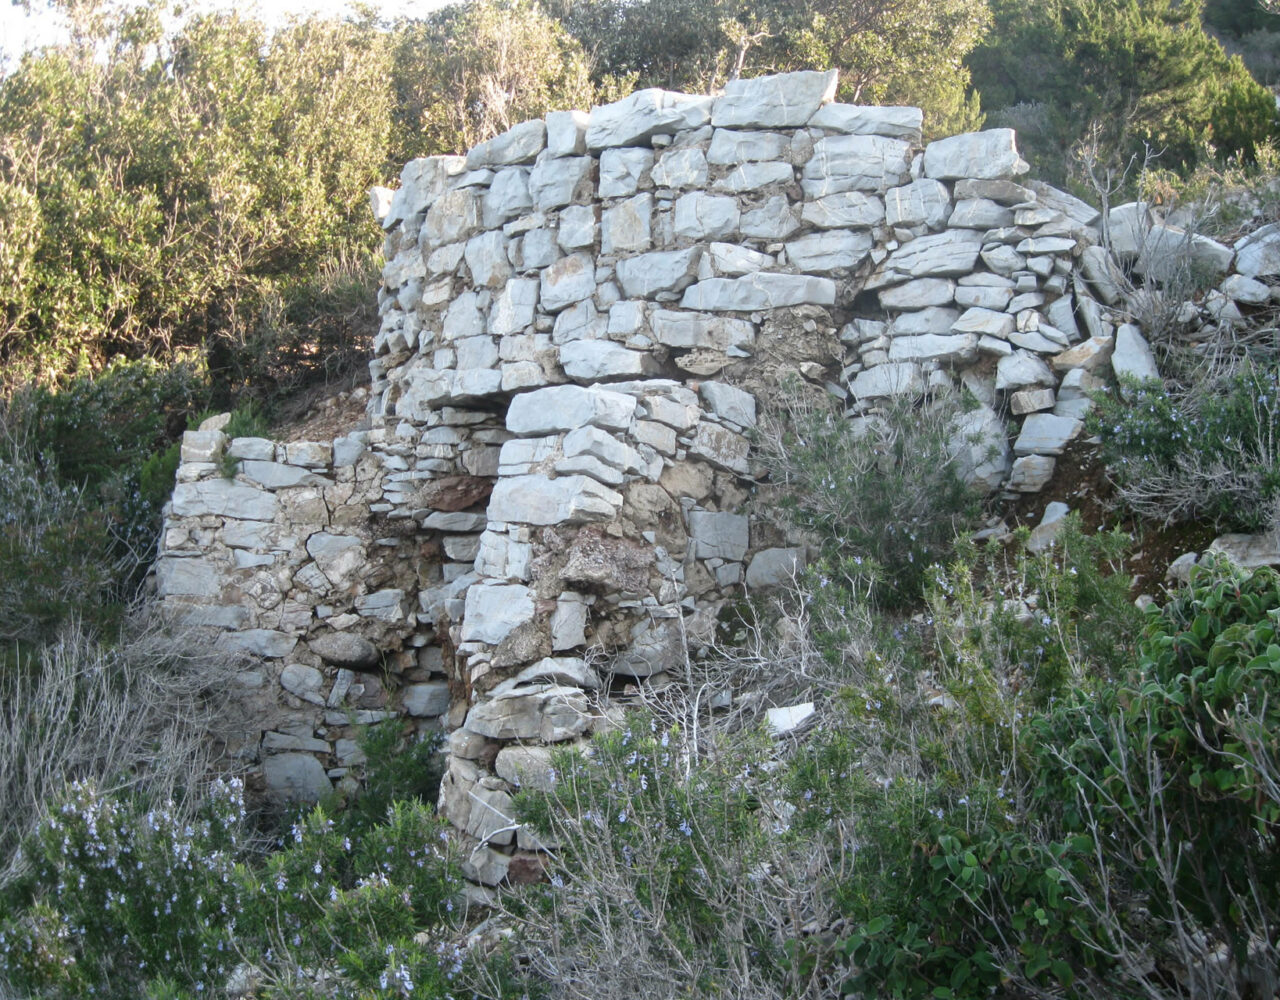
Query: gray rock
(254, 448)
(1132, 355)
(1251, 292)
(564, 407)
(486, 256)
(593, 360)
(774, 220)
(568, 280)
(772, 568)
(551, 713)
(1258, 254)
(846, 210)
(931, 319)
(519, 144)
(691, 330)
(701, 216)
(721, 447)
(427, 700)
(719, 535)
(901, 379)
(622, 171)
(918, 294)
(644, 276)
(635, 120)
(787, 100)
(304, 682)
(202, 446)
(1031, 473)
(383, 605)
(1045, 534)
(979, 213)
(339, 557)
(731, 260)
(1170, 253)
(1247, 551)
(729, 403)
(1046, 434)
(454, 216)
(979, 444)
(729, 148)
(985, 322)
(223, 498)
(627, 227)
(831, 250)
(681, 168)
(1079, 212)
(953, 252)
(984, 155)
(855, 163)
(855, 119)
(494, 611)
(264, 642)
(534, 499)
(526, 767)
(295, 777)
(277, 475)
(1021, 369)
(554, 183)
(934, 347)
(982, 297)
(923, 202)
(345, 649)
(759, 291)
(753, 176)
(513, 309)
(567, 133)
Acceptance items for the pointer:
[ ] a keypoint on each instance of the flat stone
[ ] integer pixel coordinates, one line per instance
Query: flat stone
(534, 499)
(773, 568)
(776, 219)
(931, 319)
(1258, 254)
(265, 642)
(494, 611)
(786, 100)
(729, 148)
(513, 309)
(550, 713)
(719, 535)
(692, 330)
(1132, 355)
(1022, 369)
(593, 360)
(303, 682)
(979, 443)
(636, 119)
(345, 649)
(856, 119)
(1000, 190)
(519, 144)
(427, 700)
(1031, 473)
(730, 260)
(701, 216)
(554, 183)
(339, 557)
(681, 168)
(982, 297)
(564, 407)
(952, 252)
(526, 767)
(254, 448)
(454, 216)
(979, 213)
(759, 291)
(985, 322)
(1046, 245)
(1078, 211)
(934, 347)
(1247, 551)
(569, 280)
(887, 380)
(623, 170)
(721, 446)
(1169, 253)
(382, 605)
(277, 475)
(1046, 434)
(846, 210)
(831, 250)
(1090, 355)
(729, 403)
(855, 163)
(295, 777)
(918, 294)
(223, 498)
(753, 176)
(627, 227)
(202, 446)
(1251, 292)
(983, 155)
(1031, 401)
(923, 202)
(644, 276)
(188, 577)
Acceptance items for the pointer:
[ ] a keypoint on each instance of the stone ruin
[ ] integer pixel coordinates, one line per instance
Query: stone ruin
(554, 490)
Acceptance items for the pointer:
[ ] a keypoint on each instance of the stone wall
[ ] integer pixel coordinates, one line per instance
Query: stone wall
(554, 490)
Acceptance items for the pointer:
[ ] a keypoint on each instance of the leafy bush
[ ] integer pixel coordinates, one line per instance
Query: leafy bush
(1208, 450)
(884, 497)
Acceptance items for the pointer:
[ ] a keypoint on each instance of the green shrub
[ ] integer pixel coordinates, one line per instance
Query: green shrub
(1208, 450)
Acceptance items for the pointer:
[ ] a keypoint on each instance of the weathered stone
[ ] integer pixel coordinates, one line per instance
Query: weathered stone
(719, 535)
(494, 611)
(1031, 401)
(627, 226)
(759, 291)
(1169, 253)
(644, 276)
(918, 294)
(1251, 292)
(202, 446)
(486, 256)
(382, 605)
(1079, 212)
(982, 297)
(846, 210)
(1258, 254)
(984, 155)
(339, 557)
(978, 441)
(1247, 551)
(564, 407)
(547, 712)
(223, 498)
(568, 280)
(277, 475)
(345, 649)
(691, 330)
(930, 319)
(453, 493)
(923, 202)
(730, 260)
(900, 379)
(454, 216)
(1021, 369)
(519, 144)
(1090, 355)
(188, 577)
(254, 448)
(534, 499)
(985, 322)
(593, 360)
(1031, 473)
(721, 447)
(979, 213)
(526, 767)
(832, 250)
(701, 216)
(513, 309)
(729, 403)
(1045, 434)
(753, 176)
(303, 682)
(854, 119)
(934, 347)
(953, 252)
(729, 148)
(855, 163)
(554, 183)
(623, 170)
(567, 133)
(787, 100)
(427, 700)
(1132, 355)
(681, 168)
(295, 777)
(635, 120)
(772, 568)
(265, 642)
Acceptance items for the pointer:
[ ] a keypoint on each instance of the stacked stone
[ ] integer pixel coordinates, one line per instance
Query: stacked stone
(282, 563)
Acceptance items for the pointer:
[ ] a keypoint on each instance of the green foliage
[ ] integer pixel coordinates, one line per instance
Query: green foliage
(1206, 450)
(397, 768)
(1116, 75)
(884, 497)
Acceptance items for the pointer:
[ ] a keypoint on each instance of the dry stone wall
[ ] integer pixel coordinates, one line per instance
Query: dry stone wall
(580, 319)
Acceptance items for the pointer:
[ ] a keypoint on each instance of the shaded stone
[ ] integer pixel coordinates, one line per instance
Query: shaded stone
(771, 568)
(345, 649)
(454, 493)
(295, 777)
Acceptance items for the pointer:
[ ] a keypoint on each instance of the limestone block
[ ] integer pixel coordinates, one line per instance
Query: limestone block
(729, 148)
(983, 297)
(422, 181)
(702, 216)
(188, 577)
(567, 133)
(339, 557)
(721, 446)
(382, 605)
(1031, 473)
(534, 499)
(855, 163)
(981, 213)
(554, 183)
(1251, 292)
(636, 119)
(1090, 355)
(985, 322)
(568, 280)
(1132, 355)
(978, 441)
(303, 682)
(202, 446)
(255, 448)
(855, 119)
(577, 227)
(507, 198)
(918, 294)
(787, 100)
(831, 250)
(1258, 254)
(681, 168)
(923, 202)
(934, 347)
(526, 767)
(931, 319)
(753, 176)
(644, 276)
(513, 309)
(568, 625)
(476, 352)
(1003, 259)
(265, 642)
(277, 475)
(1079, 212)
(345, 649)
(719, 535)
(776, 219)
(771, 568)
(941, 254)
(759, 291)
(223, 498)
(494, 611)
(519, 144)
(1022, 369)
(454, 216)
(1046, 434)
(551, 713)
(731, 260)
(486, 256)
(846, 210)
(623, 170)
(295, 777)
(1170, 253)
(989, 154)
(427, 700)
(565, 407)
(901, 379)
(627, 226)
(729, 403)
(1247, 551)
(595, 360)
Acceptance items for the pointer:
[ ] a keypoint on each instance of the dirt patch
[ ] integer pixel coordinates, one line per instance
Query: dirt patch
(322, 414)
